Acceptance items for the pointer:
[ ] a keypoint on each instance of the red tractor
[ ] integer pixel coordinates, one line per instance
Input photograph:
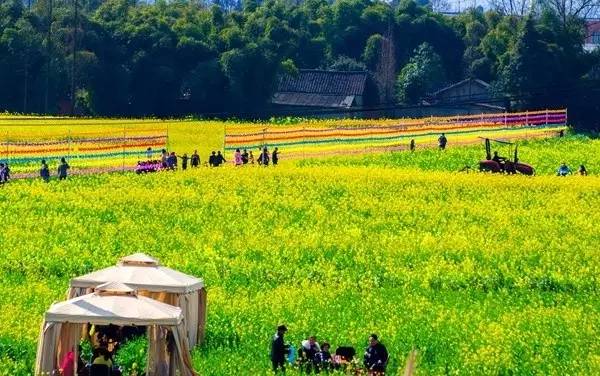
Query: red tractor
(497, 163)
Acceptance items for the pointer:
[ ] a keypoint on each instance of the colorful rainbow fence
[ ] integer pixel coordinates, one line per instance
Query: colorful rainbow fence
(85, 151)
(368, 136)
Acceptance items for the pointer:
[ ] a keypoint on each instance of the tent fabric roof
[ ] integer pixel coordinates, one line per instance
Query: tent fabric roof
(114, 288)
(142, 277)
(139, 259)
(106, 307)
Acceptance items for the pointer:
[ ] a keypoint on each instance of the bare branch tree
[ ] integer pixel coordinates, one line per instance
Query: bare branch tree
(566, 9)
(513, 7)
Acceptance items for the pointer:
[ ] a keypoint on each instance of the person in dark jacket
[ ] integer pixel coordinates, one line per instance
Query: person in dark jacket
(62, 169)
(376, 356)
(164, 158)
(263, 159)
(245, 157)
(442, 141)
(323, 358)
(412, 145)
(220, 159)
(275, 157)
(279, 350)
(212, 160)
(3, 174)
(44, 171)
(172, 161)
(195, 159)
(184, 161)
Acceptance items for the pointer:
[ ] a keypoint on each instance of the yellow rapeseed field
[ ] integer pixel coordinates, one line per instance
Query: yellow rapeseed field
(482, 274)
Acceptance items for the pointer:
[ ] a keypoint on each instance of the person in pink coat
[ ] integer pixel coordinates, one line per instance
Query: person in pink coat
(237, 157)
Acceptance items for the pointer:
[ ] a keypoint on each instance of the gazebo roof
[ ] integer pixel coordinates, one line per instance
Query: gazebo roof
(114, 303)
(141, 272)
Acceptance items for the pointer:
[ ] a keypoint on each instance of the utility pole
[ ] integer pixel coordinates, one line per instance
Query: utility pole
(48, 52)
(74, 65)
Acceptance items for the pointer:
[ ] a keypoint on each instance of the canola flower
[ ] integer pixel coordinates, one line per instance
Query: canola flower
(483, 274)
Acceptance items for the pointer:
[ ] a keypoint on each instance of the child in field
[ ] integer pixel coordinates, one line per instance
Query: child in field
(251, 158)
(3, 174)
(582, 170)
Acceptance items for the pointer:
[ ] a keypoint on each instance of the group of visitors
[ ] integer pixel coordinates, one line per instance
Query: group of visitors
(241, 158)
(316, 357)
(62, 171)
(105, 342)
(169, 161)
(564, 170)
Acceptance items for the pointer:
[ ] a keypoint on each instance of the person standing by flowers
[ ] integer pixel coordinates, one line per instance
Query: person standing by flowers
(442, 141)
(275, 156)
(195, 159)
(184, 161)
(237, 158)
(279, 349)
(3, 174)
(63, 167)
(376, 356)
(245, 157)
(45, 171)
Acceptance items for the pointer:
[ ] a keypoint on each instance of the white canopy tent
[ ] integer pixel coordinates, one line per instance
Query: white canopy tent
(150, 279)
(117, 304)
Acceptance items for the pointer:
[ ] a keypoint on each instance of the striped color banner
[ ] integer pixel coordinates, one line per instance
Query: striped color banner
(314, 138)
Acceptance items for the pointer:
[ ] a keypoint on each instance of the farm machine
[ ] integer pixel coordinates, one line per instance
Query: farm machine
(497, 164)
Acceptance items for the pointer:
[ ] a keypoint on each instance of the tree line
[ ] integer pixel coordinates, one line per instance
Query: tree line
(182, 57)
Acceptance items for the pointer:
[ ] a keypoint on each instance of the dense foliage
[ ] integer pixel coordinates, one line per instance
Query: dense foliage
(483, 274)
(180, 57)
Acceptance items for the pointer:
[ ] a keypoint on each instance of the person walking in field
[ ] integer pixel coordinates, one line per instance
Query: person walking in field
(275, 156)
(212, 160)
(184, 161)
(63, 167)
(172, 161)
(3, 174)
(279, 350)
(442, 141)
(195, 159)
(149, 153)
(237, 158)
(45, 171)
(376, 356)
(245, 156)
(164, 159)
(220, 159)
(263, 159)
(251, 158)
(412, 145)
